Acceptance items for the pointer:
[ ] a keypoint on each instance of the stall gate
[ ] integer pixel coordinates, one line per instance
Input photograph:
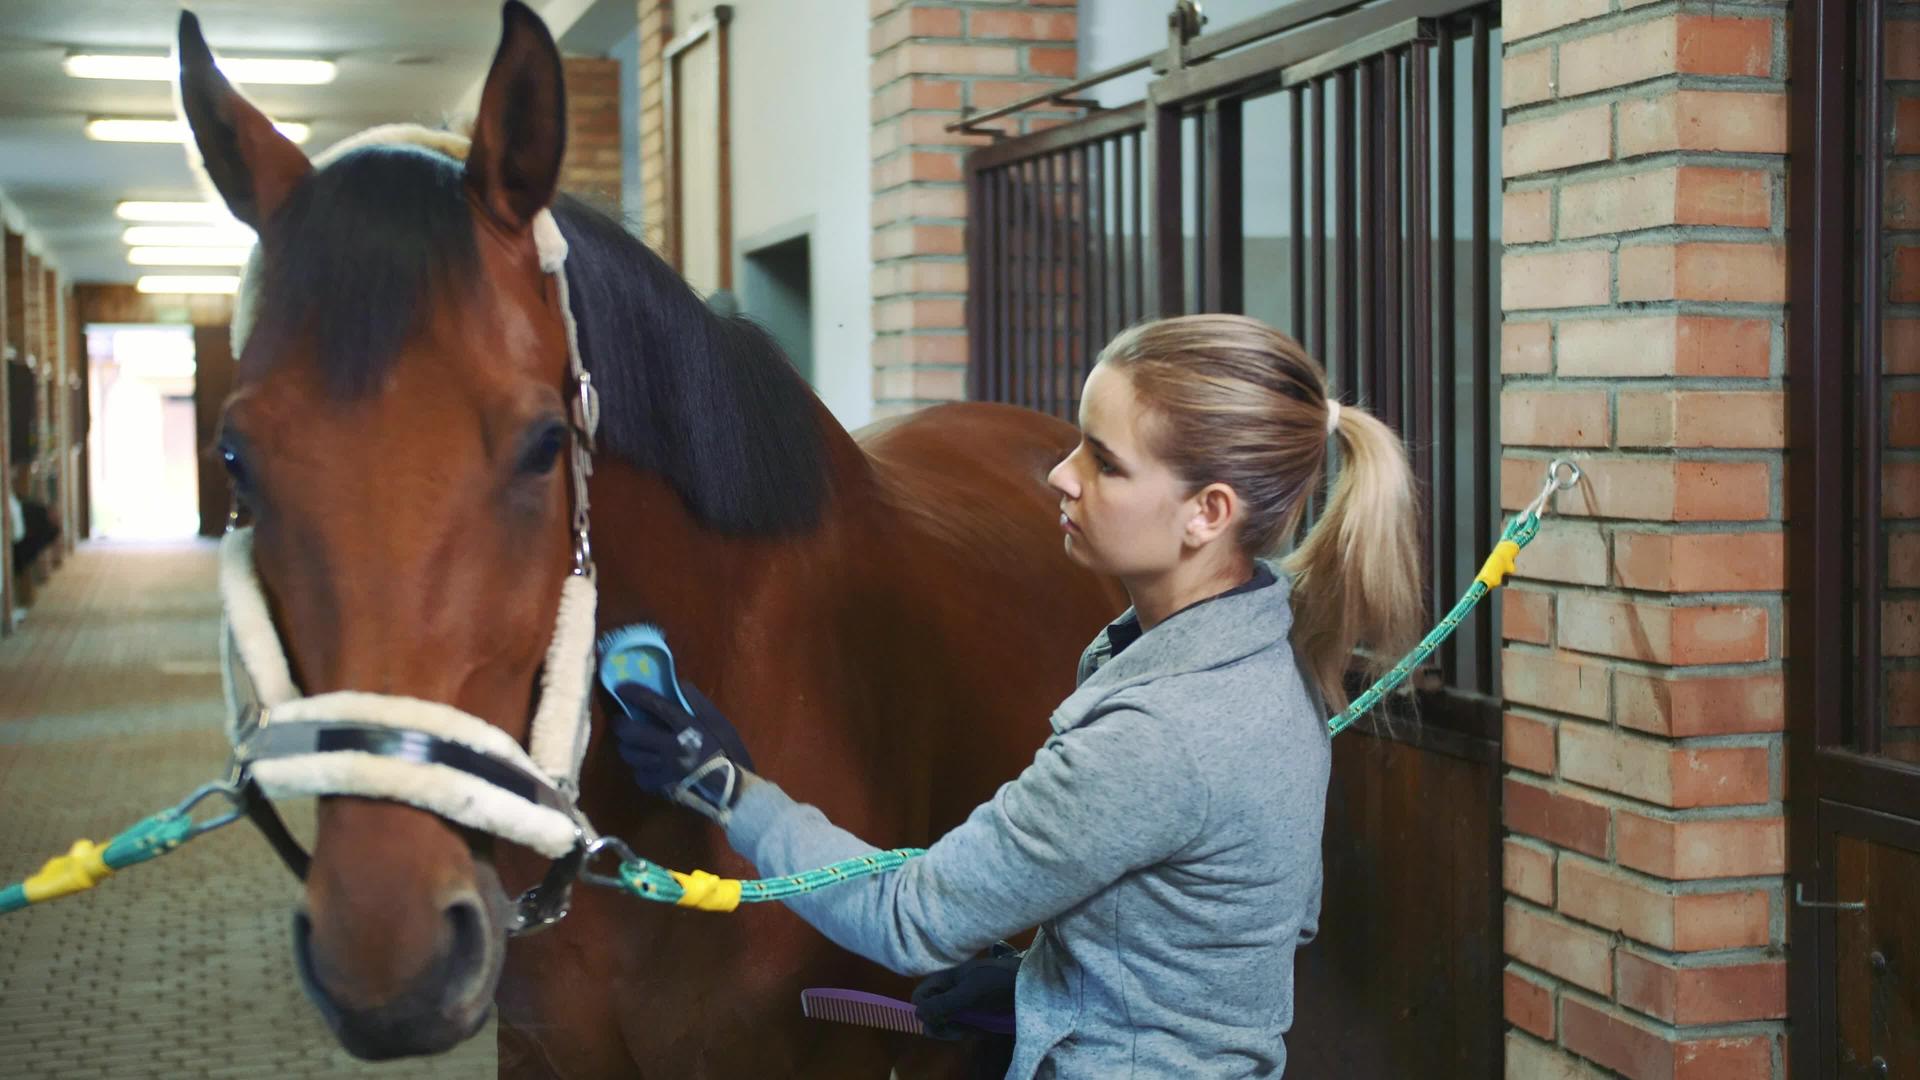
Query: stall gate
(1327, 167)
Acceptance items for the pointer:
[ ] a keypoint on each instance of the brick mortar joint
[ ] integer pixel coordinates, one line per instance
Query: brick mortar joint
(1671, 888)
(1652, 89)
(1673, 1032)
(1613, 801)
(1627, 18)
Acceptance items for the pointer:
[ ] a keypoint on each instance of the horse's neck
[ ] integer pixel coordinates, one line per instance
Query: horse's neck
(658, 563)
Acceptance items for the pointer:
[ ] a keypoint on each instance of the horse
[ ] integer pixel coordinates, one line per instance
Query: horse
(888, 616)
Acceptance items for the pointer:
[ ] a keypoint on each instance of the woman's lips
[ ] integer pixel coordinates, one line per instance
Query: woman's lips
(1067, 525)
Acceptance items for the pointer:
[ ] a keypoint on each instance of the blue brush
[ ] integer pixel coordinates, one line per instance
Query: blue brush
(638, 654)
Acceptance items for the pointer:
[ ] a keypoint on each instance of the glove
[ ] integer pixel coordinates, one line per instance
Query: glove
(983, 984)
(681, 747)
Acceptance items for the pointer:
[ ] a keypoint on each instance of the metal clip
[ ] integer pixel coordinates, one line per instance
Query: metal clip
(1555, 482)
(228, 790)
(602, 844)
(1800, 900)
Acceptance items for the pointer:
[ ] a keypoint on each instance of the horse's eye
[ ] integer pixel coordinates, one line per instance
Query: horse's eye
(544, 450)
(236, 467)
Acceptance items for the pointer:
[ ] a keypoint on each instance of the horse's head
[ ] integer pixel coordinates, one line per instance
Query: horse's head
(399, 432)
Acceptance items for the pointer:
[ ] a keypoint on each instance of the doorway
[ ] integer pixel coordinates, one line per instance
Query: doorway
(144, 467)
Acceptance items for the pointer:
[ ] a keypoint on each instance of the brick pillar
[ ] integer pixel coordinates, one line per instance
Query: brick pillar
(656, 30)
(930, 61)
(1643, 288)
(592, 167)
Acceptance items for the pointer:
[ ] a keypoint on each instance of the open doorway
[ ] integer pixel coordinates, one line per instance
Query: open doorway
(779, 296)
(143, 448)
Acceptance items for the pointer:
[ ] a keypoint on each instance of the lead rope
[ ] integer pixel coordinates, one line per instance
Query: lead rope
(86, 864)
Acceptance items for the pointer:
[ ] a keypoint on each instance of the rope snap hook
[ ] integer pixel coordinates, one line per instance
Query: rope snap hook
(1562, 475)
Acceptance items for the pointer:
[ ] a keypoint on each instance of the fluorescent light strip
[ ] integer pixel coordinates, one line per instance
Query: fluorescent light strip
(258, 70)
(234, 235)
(187, 283)
(189, 256)
(127, 129)
(138, 210)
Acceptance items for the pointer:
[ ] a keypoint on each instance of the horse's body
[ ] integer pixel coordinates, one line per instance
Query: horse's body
(888, 621)
(892, 668)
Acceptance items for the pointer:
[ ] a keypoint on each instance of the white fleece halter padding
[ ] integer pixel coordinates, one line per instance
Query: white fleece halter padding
(438, 789)
(249, 629)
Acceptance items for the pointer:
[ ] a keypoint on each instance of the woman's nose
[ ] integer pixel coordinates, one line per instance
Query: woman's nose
(1061, 479)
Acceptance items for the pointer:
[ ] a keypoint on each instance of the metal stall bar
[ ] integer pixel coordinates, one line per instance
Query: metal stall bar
(1225, 236)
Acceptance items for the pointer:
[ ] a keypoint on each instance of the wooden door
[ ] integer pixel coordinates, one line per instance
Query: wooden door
(1853, 674)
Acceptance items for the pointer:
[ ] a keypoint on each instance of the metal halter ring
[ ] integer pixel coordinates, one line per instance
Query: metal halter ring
(1556, 482)
(603, 844)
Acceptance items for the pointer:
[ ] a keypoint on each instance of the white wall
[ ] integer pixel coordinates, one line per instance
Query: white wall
(801, 163)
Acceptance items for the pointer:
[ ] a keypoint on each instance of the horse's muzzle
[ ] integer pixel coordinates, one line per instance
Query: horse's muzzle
(432, 1010)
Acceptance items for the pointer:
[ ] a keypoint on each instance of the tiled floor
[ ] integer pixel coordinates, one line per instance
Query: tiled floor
(110, 710)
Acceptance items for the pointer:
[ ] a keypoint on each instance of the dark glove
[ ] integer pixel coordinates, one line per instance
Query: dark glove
(680, 746)
(950, 1002)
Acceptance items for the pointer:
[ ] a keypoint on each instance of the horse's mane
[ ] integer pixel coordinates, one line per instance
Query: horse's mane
(708, 401)
(364, 246)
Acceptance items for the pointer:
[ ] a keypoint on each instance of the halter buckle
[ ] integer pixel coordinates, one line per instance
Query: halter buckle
(549, 901)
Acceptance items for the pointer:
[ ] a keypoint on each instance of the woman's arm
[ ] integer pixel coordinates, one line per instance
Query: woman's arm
(1106, 798)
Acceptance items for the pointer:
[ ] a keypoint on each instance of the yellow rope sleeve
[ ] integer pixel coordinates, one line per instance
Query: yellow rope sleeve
(81, 868)
(707, 892)
(1493, 573)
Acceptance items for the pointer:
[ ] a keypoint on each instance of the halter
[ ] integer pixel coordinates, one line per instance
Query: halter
(424, 753)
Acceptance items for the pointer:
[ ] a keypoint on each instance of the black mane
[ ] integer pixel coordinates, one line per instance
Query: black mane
(364, 246)
(708, 401)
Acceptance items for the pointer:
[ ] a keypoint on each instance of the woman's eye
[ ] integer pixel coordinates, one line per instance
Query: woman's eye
(1106, 467)
(540, 457)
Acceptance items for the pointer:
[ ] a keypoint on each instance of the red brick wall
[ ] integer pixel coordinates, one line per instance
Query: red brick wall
(592, 166)
(930, 61)
(656, 30)
(1643, 289)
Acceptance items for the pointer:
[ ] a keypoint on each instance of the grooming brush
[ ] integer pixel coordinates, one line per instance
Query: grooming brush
(891, 1014)
(639, 654)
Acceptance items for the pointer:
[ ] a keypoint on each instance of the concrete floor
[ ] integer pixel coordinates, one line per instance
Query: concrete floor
(110, 710)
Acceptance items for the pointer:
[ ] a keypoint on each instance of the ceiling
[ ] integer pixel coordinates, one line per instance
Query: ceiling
(397, 59)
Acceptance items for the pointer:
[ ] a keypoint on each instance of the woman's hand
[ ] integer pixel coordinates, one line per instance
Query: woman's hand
(696, 759)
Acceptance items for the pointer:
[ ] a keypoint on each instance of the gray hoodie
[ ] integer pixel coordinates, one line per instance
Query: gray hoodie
(1165, 840)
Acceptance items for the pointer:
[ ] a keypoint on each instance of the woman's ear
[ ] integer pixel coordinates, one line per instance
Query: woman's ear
(1216, 507)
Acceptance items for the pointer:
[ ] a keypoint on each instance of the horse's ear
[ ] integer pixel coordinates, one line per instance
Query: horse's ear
(252, 164)
(520, 134)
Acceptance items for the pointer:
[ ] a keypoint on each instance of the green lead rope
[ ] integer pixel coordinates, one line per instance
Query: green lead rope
(1519, 532)
(86, 864)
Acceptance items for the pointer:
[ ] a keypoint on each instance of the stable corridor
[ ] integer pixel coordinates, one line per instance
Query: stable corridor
(109, 710)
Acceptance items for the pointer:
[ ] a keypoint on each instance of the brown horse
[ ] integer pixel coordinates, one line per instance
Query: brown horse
(889, 619)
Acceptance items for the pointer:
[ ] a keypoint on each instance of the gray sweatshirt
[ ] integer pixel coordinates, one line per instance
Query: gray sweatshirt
(1165, 840)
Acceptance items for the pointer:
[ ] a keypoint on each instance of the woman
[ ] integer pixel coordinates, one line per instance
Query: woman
(1166, 838)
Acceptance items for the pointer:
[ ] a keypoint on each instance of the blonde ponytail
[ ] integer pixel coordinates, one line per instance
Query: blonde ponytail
(1357, 572)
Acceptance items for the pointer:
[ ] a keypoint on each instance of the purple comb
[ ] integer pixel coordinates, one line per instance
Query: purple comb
(891, 1014)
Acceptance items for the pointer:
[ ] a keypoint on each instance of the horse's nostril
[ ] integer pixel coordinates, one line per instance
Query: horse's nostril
(466, 946)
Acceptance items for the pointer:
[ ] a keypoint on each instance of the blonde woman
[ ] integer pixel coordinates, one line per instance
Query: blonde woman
(1166, 839)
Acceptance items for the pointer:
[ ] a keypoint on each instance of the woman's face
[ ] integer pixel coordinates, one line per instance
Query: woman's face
(1124, 512)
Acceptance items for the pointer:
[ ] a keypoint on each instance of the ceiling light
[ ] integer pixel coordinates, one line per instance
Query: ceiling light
(189, 256)
(122, 129)
(257, 70)
(187, 283)
(234, 235)
(135, 210)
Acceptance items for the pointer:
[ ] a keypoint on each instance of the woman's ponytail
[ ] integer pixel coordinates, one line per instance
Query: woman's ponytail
(1357, 572)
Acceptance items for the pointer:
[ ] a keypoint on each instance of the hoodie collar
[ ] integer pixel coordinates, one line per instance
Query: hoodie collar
(1220, 630)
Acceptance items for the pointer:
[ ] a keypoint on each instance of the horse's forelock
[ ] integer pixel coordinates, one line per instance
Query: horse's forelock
(355, 257)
